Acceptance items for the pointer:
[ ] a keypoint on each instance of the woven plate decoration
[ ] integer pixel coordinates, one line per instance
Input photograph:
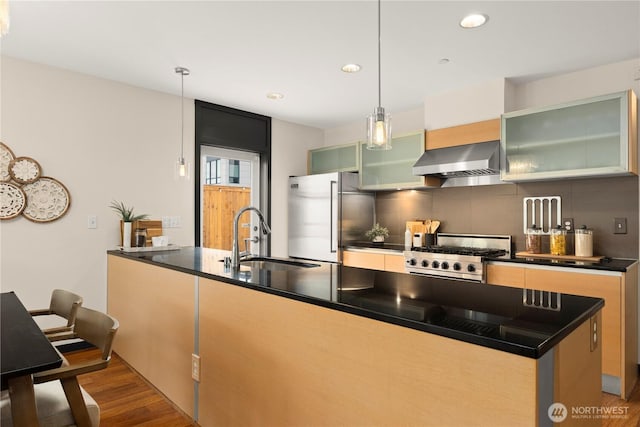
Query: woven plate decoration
(12, 200)
(47, 200)
(24, 170)
(6, 156)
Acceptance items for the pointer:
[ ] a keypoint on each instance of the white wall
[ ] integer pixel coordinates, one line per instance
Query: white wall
(105, 140)
(290, 143)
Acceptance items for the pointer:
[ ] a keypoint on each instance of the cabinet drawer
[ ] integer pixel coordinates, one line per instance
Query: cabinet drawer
(363, 260)
(505, 275)
(394, 263)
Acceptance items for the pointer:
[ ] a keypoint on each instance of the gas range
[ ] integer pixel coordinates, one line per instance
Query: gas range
(458, 256)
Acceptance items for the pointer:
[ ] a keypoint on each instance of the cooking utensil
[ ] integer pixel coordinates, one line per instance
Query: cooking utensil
(433, 226)
(427, 226)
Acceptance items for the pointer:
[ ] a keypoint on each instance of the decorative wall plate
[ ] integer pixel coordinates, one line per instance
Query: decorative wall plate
(12, 200)
(6, 155)
(24, 170)
(47, 200)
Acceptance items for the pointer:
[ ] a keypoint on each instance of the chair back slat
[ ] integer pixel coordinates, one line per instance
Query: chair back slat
(65, 304)
(96, 328)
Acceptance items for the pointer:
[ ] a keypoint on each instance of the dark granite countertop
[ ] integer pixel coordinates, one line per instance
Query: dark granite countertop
(486, 315)
(606, 264)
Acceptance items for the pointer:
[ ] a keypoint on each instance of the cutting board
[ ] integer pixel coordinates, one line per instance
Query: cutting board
(154, 228)
(595, 258)
(416, 226)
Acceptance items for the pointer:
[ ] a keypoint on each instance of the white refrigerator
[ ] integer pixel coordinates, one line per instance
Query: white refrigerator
(326, 212)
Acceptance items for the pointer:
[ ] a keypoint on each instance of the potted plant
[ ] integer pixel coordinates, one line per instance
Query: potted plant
(377, 234)
(127, 217)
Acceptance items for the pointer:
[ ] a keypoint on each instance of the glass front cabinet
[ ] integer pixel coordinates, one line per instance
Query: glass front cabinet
(591, 137)
(338, 158)
(392, 169)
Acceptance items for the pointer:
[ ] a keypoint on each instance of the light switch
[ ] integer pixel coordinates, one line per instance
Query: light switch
(620, 226)
(92, 221)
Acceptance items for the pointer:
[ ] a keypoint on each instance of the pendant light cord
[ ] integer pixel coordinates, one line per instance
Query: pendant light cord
(182, 113)
(379, 78)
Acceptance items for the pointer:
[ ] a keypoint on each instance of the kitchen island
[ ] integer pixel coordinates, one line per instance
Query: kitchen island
(332, 345)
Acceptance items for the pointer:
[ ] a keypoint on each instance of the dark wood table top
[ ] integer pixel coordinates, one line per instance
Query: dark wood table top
(24, 349)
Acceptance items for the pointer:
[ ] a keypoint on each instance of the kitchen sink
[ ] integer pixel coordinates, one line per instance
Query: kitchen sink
(268, 263)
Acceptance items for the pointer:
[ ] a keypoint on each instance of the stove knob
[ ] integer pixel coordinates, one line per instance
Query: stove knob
(445, 265)
(457, 266)
(425, 263)
(412, 261)
(471, 268)
(435, 264)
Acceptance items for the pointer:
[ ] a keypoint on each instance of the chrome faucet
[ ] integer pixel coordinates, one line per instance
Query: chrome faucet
(235, 251)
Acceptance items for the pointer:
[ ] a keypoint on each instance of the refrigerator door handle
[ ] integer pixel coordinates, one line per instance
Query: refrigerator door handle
(333, 240)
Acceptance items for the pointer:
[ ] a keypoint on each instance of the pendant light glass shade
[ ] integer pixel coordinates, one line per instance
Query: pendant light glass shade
(379, 123)
(379, 130)
(182, 169)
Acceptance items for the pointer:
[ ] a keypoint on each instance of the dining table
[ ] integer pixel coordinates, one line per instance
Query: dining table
(24, 350)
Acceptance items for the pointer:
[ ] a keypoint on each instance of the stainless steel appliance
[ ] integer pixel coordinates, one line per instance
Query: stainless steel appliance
(462, 165)
(458, 256)
(326, 212)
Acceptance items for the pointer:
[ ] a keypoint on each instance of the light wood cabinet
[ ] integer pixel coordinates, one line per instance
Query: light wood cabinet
(591, 137)
(155, 309)
(485, 131)
(619, 316)
(337, 158)
(268, 360)
(374, 261)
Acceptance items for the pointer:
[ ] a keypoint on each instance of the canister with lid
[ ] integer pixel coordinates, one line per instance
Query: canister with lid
(558, 241)
(534, 240)
(584, 241)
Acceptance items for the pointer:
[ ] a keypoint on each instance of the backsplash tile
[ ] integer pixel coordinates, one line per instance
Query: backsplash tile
(497, 209)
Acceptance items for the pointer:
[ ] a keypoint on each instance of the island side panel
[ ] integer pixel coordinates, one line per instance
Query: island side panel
(268, 360)
(155, 308)
(630, 331)
(578, 382)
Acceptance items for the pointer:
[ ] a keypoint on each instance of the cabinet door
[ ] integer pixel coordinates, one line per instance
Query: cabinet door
(392, 169)
(339, 158)
(394, 263)
(584, 138)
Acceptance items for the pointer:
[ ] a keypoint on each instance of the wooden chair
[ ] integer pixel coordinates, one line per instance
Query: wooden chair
(64, 304)
(78, 408)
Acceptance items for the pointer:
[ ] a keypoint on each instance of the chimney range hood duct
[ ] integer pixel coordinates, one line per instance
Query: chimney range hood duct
(462, 165)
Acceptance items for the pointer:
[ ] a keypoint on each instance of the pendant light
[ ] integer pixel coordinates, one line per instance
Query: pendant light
(183, 168)
(379, 123)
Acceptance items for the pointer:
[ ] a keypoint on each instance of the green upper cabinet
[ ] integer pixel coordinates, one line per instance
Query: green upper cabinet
(392, 169)
(337, 158)
(591, 137)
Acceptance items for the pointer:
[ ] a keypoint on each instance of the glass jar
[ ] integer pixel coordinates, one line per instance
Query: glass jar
(558, 241)
(534, 240)
(140, 237)
(584, 241)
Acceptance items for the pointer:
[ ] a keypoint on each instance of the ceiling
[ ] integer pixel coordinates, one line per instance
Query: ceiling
(238, 51)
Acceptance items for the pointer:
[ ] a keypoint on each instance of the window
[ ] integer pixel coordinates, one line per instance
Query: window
(234, 171)
(213, 171)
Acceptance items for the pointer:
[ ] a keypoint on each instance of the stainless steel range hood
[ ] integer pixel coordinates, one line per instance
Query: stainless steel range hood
(463, 165)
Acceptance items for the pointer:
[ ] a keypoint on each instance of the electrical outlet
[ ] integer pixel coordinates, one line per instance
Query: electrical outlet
(567, 224)
(620, 226)
(166, 222)
(92, 221)
(195, 367)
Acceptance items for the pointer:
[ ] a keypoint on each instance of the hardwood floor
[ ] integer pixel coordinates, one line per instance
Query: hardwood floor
(126, 399)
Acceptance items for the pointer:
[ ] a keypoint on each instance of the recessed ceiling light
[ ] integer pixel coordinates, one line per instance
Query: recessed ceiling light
(443, 61)
(275, 95)
(474, 20)
(350, 68)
